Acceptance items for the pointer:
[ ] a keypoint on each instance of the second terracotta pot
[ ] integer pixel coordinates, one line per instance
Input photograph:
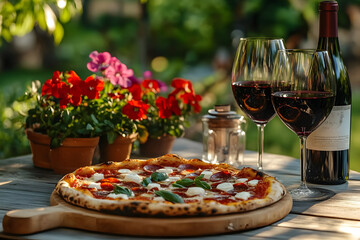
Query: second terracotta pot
(155, 147)
(117, 151)
(72, 154)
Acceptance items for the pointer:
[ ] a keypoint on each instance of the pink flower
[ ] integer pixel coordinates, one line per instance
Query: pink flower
(118, 73)
(147, 74)
(100, 61)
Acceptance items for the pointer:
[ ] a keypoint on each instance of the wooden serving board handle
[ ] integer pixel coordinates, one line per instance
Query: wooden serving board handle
(28, 221)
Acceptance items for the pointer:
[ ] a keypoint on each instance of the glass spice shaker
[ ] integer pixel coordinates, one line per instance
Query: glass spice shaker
(223, 136)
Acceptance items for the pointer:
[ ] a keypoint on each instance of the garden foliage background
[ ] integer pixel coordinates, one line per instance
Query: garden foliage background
(192, 39)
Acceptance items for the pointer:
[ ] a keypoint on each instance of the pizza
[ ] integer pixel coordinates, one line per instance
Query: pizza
(169, 186)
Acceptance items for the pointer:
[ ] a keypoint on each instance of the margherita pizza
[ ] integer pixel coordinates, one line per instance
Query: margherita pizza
(169, 186)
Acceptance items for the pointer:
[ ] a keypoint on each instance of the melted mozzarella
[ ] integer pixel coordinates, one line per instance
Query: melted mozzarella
(207, 174)
(153, 185)
(165, 170)
(133, 178)
(173, 179)
(160, 199)
(243, 195)
(193, 191)
(121, 195)
(147, 195)
(225, 187)
(253, 183)
(124, 170)
(170, 180)
(95, 185)
(241, 180)
(97, 176)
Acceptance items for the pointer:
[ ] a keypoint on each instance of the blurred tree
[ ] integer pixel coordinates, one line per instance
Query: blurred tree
(192, 30)
(18, 18)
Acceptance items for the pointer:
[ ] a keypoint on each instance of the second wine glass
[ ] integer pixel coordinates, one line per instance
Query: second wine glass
(251, 82)
(303, 95)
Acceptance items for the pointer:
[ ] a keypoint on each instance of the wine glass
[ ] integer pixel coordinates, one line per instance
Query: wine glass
(303, 94)
(251, 82)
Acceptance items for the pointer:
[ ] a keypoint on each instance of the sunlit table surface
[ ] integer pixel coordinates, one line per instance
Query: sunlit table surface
(23, 186)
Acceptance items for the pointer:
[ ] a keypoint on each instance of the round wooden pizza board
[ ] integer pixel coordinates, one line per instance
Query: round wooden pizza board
(63, 214)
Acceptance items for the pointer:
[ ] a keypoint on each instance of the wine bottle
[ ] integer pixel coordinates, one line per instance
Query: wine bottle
(328, 146)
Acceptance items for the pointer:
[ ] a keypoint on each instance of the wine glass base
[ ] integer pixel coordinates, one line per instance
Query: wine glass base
(310, 194)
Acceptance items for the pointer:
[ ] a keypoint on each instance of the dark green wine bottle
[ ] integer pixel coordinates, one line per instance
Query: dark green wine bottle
(328, 147)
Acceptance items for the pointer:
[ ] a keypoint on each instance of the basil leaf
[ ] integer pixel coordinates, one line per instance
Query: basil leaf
(169, 196)
(178, 185)
(123, 190)
(202, 184)
(186, 182)
(199, 177)
(146, 181)
(158, 176)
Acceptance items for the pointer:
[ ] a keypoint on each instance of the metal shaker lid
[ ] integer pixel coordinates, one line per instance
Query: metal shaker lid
(222, 117)
(222, 111)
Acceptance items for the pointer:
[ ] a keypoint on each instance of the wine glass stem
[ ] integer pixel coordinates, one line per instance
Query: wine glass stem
(260, 145)
(302, 160)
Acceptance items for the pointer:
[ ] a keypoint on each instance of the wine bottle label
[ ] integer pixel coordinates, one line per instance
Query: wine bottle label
(334, 133)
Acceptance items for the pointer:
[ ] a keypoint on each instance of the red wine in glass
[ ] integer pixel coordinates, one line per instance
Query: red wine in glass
(302, 111)
(254, 99)
(304, 90)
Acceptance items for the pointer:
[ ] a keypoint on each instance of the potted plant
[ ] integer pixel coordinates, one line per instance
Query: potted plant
(121, 108)
(66, 113)
(167, 116)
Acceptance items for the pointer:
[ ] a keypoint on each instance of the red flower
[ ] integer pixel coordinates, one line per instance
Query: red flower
(47, 88)
(168, 106)
(92, 87)
(73, 78)
(136, 91)
(52, 86)
(135, 110)
(193, 100)
(152, 85)
(70, 94)
(116, 95)
(181, 84)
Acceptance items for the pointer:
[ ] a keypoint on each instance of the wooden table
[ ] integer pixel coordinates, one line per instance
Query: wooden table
(23, 186)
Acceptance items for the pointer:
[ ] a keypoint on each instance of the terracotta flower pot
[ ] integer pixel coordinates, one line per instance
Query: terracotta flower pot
(117, 151)
(40, 148)
(72, 154)
(155, 147)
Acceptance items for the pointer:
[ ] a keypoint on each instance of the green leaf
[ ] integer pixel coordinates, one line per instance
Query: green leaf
(111, 137)
(178, 185)
(40, 17)
(146, 181)
(89, 127)
(122, 190)
(58, 33)
(169, 196)
(65, 15)
(158, 176)
(185, 182)
(202, 184)
(94, 119)
(201, 176)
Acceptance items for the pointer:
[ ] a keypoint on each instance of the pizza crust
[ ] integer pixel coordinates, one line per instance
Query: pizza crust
(129, 207)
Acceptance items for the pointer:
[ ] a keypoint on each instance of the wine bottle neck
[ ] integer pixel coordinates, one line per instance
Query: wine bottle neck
(329, 43)
(328, 19)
